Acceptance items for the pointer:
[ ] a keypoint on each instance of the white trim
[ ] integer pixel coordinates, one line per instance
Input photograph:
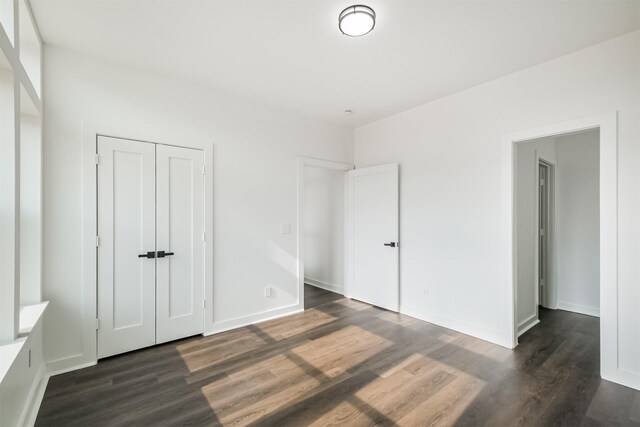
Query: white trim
(629, 378)
(526, 321)
(34, 399)
(525, 325)
(90, 132)
(580, 309)
(302, 162)
(68, 364)
(607, 123)
(251, 319)
(552, 289)
(324, 285)
(495, 337)
(30, 315)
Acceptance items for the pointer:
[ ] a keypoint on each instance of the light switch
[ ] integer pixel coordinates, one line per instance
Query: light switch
(285, 228)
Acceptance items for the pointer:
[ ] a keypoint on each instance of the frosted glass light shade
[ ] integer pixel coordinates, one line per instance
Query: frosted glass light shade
(357, 20)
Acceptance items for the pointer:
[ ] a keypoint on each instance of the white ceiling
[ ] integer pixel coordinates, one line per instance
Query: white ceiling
(291, 53)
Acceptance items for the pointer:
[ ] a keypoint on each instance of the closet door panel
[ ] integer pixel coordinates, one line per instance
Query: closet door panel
(126, 229)
(180, 227)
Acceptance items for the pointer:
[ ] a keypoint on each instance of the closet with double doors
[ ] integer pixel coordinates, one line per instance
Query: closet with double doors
(150, 244)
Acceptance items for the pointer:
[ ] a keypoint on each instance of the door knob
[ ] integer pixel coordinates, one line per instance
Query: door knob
(391, 244)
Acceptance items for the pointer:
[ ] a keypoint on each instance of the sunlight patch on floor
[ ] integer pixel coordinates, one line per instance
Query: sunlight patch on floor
(258, 390)
(213, 350)
(445, 407)
(293, 325)
(345, 414)
(416, 391)
(341, 350)
(267, 386)
(354, 304)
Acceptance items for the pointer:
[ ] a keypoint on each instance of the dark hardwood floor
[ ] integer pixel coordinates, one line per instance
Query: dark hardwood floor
(345, 362)
(314, 297)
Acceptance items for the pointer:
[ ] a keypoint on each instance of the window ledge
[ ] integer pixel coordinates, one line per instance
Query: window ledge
(9, 353)
(29, 317)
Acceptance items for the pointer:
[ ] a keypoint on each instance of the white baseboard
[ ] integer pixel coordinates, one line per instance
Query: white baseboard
(581, 309)
(465, 328)
(623, 377)
(34, 399)
(324, 285)
(68, 364)
(239, 322)
(628, 378)
(528, 324)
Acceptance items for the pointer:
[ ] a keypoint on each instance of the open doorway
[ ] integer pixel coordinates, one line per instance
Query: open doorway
(607, 207)
(321, 238)
(558, 226)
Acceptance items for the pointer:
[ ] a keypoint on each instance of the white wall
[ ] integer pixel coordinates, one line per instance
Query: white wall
(578, 222)
(452, 188)
(324, 227)
(255, 174)
(526, 221)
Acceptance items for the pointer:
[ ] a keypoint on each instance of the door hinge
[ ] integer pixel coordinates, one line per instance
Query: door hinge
(97, 324)
(542, 181)
(97, 159)
(204, 237)
(204, 303)
(97, 241)
(202, 169)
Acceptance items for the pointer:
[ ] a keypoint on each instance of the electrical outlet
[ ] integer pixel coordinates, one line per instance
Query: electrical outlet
(285, 228)
(267, 292)
(425, 292)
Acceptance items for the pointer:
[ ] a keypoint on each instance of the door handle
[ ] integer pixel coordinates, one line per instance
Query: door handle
(148, 255)
(391, 244)
(162, 254)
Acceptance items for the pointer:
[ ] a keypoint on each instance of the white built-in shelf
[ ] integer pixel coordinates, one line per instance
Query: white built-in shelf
(30, 315)
(8, 354)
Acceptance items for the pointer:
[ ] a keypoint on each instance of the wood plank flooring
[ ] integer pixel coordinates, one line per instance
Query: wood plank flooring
(343, 362)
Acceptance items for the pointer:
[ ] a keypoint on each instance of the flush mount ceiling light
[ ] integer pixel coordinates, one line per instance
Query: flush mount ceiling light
(356, 20)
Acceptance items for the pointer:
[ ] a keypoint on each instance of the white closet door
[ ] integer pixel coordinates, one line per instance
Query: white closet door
(180, 224)
(373, 237)
(126, 229)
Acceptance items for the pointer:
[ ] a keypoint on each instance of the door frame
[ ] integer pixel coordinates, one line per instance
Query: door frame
(551, 288)
(302, 163)
(90, 132)
(607, 123)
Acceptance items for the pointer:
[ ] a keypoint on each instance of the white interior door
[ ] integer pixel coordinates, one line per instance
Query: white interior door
(372, 241)
(126, 226)
(180, 245)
